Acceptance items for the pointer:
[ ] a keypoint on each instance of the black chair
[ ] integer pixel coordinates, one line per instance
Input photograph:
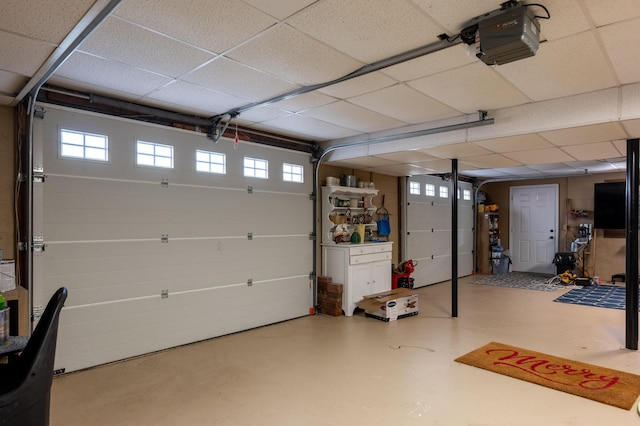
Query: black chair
(25, 382)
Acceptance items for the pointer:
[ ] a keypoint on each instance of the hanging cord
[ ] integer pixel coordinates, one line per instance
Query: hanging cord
(236, 140)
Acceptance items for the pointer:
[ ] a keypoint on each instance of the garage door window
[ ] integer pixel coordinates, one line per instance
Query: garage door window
(154, 155)
(292, 173)
(88, 146)
(211, 162)
(444, 192)
(254, 167)
(430, 190)
(414, 188)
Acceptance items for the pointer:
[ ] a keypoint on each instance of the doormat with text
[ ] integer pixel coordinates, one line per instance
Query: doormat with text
(601, 384)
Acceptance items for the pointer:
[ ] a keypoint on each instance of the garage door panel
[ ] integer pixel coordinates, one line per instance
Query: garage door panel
(99, 279)
(429, 271)
(429, 231)
(115, 330)
(139, 215)
(424, 216)
(232, 252)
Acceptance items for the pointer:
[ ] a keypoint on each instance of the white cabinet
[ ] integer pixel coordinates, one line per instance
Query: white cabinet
(348, 206)
(361, 268)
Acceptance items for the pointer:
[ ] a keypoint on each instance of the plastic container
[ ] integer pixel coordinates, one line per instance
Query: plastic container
(500, 266)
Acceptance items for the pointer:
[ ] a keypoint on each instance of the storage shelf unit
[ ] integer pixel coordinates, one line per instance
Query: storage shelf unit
(488, 237)
(334, 196)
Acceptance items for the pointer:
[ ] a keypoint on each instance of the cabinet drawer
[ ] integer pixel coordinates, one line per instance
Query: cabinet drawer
(368, 258)
(369, 249)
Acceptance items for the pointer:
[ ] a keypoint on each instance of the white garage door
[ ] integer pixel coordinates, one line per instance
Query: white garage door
(156, 257)
(428, 240)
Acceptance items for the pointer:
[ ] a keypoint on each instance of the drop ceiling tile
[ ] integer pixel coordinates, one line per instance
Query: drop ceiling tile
(433, 63)
(458, 150)
(370, 161)
(454, 15)
(94, 71)
(607, 12)
(567, 18)
(621, 146)
(492, 161)
(359, 85)
(404, 104)
(354, 117)
(408, 157)
(518, 171)
(236, 79)
(514, 143)
(477, 87)
(23, 55)
(48, 21)
(260, 114)
(486, 173)
(280, 9)
(6, 100)
(540, 78)
(151, 51)
(592, 151)
(622, 41)
(11, 83)
(304, 102)
(593, 166)
(632, 127)
(294, 56)
(585, 134)
(404, 170)
(444, 166)
(215, 28)
(561, 170)
(347, 153)
(365, 32)
(189, 95)
(540, 156)
(309, 127)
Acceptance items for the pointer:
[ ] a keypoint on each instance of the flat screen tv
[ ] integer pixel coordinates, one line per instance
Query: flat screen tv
(609, 205)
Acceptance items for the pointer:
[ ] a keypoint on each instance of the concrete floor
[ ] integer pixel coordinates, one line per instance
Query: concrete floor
(322, 370)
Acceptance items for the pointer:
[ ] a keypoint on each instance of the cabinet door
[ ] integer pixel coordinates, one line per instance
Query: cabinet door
(361, 283)
(380, 276)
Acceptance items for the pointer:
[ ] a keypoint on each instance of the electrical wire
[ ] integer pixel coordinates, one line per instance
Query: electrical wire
(542, 6)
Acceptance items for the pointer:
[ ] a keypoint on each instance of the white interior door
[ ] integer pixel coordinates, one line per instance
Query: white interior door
(533, 221)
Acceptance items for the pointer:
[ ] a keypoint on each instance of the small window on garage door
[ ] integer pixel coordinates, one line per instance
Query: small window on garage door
(154, 155)
(211, 162)
(292, 173)
(89, 146)
(255, 167)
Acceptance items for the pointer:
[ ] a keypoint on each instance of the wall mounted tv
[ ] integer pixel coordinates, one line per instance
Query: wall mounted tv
(609, 205)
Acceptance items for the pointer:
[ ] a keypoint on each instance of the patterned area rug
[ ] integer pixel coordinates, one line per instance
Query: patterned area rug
(602, 296)
(525, 280)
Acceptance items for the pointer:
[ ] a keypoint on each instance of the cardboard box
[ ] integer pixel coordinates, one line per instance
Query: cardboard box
(390, 305)
(7, 275)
